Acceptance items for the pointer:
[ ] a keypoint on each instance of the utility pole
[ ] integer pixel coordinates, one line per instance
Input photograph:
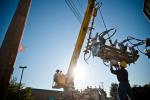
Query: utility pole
(22, 67)
(10, 44)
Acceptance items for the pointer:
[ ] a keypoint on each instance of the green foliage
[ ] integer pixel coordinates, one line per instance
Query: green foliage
(114, 90)
(14, 93)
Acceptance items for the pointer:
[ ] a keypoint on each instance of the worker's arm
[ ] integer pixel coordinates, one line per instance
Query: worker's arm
(113, 71)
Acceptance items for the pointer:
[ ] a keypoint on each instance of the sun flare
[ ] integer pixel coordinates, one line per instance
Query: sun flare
(80, 72)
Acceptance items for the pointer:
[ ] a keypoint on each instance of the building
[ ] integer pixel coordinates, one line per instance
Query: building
(41, 94)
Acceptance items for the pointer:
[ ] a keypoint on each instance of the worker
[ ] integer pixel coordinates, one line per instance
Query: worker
(124, 88)
(60, 72)
(56, 75)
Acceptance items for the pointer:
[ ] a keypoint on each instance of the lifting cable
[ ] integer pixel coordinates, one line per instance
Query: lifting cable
(104, 23)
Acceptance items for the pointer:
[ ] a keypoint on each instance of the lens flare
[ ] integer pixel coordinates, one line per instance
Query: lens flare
(80, 72)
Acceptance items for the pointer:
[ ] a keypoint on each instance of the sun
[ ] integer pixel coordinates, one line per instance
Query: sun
(80, 72)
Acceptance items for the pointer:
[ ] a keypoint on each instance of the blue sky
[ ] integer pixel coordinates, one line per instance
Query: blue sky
(50, 36)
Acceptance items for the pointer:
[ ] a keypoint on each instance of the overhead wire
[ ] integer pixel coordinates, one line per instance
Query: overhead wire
(80, 5)
(74, 9)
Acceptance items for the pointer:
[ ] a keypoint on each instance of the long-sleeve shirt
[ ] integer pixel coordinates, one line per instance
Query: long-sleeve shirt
(122, 74)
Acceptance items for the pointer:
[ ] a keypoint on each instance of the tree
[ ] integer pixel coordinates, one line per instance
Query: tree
(14, 93)
(114, 91)
(141, 92)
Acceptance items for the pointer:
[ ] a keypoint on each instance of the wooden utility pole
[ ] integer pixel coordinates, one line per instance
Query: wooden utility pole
(9, 48)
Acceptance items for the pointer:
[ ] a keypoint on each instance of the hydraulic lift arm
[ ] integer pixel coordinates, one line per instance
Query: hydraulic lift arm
(68, 80)
(79, 43)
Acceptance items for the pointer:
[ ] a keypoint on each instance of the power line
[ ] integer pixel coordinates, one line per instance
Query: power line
(80, 5)
(74, 9)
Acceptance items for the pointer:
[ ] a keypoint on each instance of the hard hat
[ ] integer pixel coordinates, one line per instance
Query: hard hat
(123, 64)
(57, 70)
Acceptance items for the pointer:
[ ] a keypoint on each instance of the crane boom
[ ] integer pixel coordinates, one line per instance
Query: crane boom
(67, 82)
(79, 43)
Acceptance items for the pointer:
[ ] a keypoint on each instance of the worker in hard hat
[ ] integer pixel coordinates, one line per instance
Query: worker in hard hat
(124, 88)
(56, 75)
